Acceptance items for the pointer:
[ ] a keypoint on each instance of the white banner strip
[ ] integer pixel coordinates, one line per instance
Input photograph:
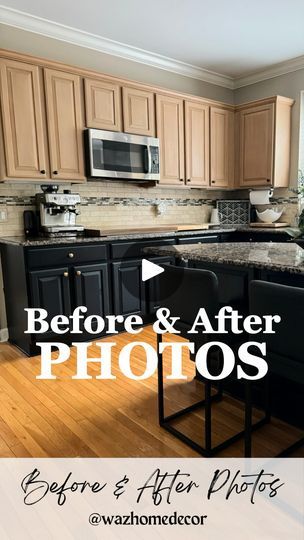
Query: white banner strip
(126, 499)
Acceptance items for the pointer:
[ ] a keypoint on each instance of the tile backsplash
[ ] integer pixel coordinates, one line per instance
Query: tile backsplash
(116, 205)
(112, 205)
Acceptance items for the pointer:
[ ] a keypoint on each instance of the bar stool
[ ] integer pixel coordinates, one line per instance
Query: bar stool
(193, 289)
(285, 347)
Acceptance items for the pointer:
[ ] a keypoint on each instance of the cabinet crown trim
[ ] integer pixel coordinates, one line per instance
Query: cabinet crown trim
(44, 27)
(38, 25)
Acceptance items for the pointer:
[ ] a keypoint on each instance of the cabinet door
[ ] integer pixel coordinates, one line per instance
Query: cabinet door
(128, 288)
(92, 288)
(197, 144)
(65, 125)
(21, 101)
(221, 147)
(256, 145)
(103, 104)
(170, 130)
(50, 290)
(138, 111)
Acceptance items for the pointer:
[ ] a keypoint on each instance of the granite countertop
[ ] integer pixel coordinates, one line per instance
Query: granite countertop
(33, 242)
(281, 257)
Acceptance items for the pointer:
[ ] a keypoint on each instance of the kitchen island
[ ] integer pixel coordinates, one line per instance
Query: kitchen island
(236, 264)
(280, 257)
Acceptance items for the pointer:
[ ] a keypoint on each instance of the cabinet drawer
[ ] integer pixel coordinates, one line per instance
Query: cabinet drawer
(128, 250)
(204, 239)
(41, 257)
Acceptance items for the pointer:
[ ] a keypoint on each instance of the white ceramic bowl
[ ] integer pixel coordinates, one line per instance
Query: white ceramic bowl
(270, 215)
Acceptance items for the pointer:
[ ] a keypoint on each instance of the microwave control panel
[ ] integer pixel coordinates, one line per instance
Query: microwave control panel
(154, 159)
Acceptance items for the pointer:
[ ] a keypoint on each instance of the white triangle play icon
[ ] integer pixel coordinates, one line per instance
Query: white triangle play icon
(150, 270)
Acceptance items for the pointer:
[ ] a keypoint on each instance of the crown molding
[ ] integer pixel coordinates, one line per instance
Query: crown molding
(282, 68)
(44, 27)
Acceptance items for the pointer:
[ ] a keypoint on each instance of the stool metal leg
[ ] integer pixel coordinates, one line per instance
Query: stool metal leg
(208, 450)
(208, 444)
(248, 419)
(160, 381)
(267, 398)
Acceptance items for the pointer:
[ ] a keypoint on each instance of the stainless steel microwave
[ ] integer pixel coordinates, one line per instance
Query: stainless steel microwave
(122, 155)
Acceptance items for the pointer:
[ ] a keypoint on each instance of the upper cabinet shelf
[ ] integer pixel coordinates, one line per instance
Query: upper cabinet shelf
(45, 107)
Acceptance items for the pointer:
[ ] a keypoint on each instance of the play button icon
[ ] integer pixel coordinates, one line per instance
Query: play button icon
(150, 270)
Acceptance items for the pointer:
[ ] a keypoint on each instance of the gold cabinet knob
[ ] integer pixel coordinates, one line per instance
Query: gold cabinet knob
(71, 255)
(66, 274)
(78, 273)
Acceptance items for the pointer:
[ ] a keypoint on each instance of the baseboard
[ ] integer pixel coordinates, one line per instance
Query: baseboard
(3, 334)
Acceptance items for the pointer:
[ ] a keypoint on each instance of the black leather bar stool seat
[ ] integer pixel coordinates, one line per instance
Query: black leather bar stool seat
(285, 355)
(193, 289)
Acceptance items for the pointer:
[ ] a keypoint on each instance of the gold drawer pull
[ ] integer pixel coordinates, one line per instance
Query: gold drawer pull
(71, 255)
(78, 273)
(66, 274)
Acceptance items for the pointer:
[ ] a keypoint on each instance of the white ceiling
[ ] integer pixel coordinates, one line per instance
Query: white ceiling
(234, 38)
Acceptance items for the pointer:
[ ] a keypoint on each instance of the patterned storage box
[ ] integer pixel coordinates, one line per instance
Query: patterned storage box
(233, 212)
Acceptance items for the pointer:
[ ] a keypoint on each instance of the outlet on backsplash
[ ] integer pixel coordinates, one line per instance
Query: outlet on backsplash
(3, 215)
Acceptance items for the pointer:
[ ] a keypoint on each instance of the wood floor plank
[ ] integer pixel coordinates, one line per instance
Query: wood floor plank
(90, 418)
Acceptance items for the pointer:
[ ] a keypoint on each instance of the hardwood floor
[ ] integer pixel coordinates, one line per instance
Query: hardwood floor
(112, 418)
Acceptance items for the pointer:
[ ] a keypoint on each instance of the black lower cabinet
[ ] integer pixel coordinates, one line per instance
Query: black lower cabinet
(103, 277)
(59, 290)
(92, 288)
(50, 290)
(129, 291)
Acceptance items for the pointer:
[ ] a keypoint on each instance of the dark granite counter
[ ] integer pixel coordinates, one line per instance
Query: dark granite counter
(32, 242)
(282, 257)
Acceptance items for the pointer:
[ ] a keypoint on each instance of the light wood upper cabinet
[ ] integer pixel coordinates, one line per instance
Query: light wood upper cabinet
(22, 117)
(221, 147)
(256, 125)
(170, 130)
(197, 144)
(138, 111)
(103, 104)
(65, 125)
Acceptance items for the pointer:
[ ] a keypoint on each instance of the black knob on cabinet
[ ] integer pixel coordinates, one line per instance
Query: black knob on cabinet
(43, 171)
(189, 180)
(268, 179)
(55, 172)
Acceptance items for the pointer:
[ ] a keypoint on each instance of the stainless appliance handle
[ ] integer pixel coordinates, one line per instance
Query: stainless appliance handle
(149, 159)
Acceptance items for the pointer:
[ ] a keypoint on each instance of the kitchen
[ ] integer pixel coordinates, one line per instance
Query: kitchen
(216, 142)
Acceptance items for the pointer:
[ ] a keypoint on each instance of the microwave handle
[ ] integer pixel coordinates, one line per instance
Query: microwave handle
(148, 159)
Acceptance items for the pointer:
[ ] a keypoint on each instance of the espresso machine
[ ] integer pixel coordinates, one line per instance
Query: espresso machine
(57, 212)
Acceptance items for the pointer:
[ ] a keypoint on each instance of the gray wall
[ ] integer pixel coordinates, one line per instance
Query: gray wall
(29, 43)
(289, 85)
